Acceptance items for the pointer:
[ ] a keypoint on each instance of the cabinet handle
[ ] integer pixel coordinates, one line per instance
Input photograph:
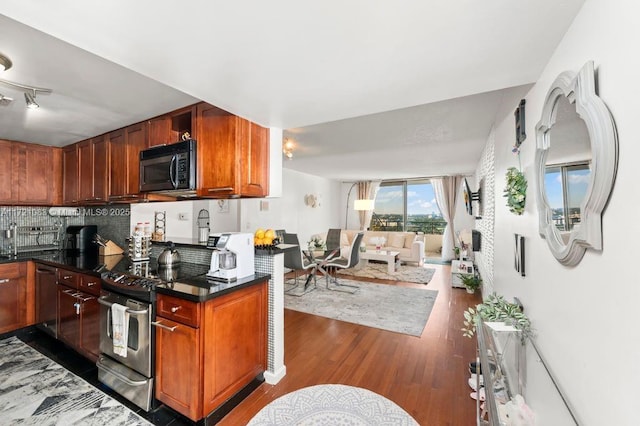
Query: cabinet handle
(91, 284)
(77, 306)
(166, 327)
(5, 280)
(226, 188)
(174, 309)
(66, 277)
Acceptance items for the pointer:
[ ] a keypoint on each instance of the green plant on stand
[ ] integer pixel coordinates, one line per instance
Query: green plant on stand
(472, 282)
(496, 308)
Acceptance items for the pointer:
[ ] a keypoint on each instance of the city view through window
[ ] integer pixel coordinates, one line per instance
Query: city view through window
(566, 187)
(407, 206)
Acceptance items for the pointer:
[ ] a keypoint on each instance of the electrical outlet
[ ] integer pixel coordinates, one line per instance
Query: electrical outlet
(183, 216)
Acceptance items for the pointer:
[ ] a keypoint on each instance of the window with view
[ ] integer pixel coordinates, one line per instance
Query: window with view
(566, 186)
(407, 206)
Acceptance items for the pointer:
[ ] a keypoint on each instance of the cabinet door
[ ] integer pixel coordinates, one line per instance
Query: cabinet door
(89, 338)
(235, 343)
(35, 167)
(218, 152)
(170, 128)
(136, 140)
(254, 166)
(100, 168)
(178, 367)
(12, 298)
(70, 176)
(159, 131)
(46, 295)
(118, 172)
(6, 172)
(68, 314)
(85, 172)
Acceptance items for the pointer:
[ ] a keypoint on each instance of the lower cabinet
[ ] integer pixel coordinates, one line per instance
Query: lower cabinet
(208, 351)
(79, 316)
(14, 296)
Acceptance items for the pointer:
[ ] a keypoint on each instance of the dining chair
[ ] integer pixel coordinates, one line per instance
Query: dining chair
(296, 260)
(337, 263)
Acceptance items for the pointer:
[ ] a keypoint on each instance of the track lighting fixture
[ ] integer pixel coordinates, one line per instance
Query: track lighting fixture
(29, 94)
(5, 63)
(31, 100)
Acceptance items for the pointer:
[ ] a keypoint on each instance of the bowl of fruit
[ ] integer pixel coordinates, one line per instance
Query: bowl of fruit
(265, 239)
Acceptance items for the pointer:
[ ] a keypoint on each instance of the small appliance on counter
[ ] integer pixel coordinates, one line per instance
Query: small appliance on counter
(80, 239)
(232, 257)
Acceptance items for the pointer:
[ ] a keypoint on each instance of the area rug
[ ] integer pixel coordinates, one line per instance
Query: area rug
(332, 405)
(35, 390)
(412, 274)
(385, 306)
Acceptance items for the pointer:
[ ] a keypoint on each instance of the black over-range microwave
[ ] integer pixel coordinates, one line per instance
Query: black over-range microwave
(169, 167)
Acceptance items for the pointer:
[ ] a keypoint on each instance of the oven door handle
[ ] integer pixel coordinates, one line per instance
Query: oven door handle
(120, 376)
(103, 301)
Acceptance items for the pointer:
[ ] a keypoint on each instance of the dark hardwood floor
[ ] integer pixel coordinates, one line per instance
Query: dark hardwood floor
(426, 376)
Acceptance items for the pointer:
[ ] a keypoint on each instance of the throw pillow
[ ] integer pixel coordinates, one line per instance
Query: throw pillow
(396, 240)
(408, 240)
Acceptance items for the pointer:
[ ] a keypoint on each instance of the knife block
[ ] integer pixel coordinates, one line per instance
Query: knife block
(110, 248)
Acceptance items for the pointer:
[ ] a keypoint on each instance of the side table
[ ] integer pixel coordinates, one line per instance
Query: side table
(458, 268)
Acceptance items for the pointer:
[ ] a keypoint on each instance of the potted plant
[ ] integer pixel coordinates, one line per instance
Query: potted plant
(472, 282)
(496, 308)
(515, 190)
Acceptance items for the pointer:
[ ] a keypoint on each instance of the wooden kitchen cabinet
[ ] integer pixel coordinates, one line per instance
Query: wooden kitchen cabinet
(93, 160)
(169, 128)
(200, 366)
(125, 146)
(233, 155)
(14, 298)
(79, 312)
(70, 175)
(29, 172)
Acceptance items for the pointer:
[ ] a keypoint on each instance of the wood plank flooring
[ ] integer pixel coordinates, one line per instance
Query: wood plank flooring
(426, 376)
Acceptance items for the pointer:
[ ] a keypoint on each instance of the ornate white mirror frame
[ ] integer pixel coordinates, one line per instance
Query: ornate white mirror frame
(579, 89)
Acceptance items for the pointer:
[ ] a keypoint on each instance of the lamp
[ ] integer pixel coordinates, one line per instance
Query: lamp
(358, 205)
(31, 100)
(5, 63)
(287, 148)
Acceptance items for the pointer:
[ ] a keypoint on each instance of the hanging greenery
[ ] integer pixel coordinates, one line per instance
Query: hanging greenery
(516, 190)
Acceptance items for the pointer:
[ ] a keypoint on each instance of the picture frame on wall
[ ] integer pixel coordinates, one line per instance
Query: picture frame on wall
(521, 134)
(223, 206)
(519, 254)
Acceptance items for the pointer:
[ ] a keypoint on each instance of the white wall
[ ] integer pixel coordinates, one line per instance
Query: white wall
(585, 316)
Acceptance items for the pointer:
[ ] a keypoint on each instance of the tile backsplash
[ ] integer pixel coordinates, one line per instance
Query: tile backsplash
(39, 230)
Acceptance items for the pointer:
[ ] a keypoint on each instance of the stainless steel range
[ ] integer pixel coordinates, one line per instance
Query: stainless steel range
(130, 374)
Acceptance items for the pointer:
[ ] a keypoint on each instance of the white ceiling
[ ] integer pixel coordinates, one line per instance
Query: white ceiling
(284, 63)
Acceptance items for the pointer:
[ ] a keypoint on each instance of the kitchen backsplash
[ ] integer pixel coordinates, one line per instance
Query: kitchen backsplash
(37, 229)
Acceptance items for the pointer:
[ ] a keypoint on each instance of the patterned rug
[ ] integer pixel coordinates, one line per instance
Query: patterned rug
(408, 273)
(385, 306)
(332, 405)
(35, 390)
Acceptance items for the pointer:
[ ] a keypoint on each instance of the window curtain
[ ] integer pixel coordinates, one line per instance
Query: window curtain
(367, 191)
(446, 191)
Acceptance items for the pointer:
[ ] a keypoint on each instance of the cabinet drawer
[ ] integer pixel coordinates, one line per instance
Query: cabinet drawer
(10, 271)
(68, 278)
(90, 284)
(184, 311)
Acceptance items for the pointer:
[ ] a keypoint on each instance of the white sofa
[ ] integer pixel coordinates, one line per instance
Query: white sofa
(409, 244)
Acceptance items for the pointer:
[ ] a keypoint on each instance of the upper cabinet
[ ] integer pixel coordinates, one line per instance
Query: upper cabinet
(233, 155)
(70, 175)
(31, 174)
(93, 158)
(125, 146)
(172, 127)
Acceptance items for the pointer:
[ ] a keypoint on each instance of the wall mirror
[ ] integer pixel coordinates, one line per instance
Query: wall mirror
(576, 160)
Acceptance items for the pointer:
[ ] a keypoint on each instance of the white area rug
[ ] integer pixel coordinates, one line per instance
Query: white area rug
(408, 273)
(334, 405)
(34, 390)
(385, 306)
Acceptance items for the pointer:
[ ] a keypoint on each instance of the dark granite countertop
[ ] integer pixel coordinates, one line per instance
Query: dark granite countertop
(186, 280)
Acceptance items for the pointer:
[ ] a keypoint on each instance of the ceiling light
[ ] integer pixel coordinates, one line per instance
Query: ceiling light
(5, 63)
(31, 100)
(30, 92)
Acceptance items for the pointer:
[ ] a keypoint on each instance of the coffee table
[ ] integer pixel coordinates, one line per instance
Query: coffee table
(391, 257)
